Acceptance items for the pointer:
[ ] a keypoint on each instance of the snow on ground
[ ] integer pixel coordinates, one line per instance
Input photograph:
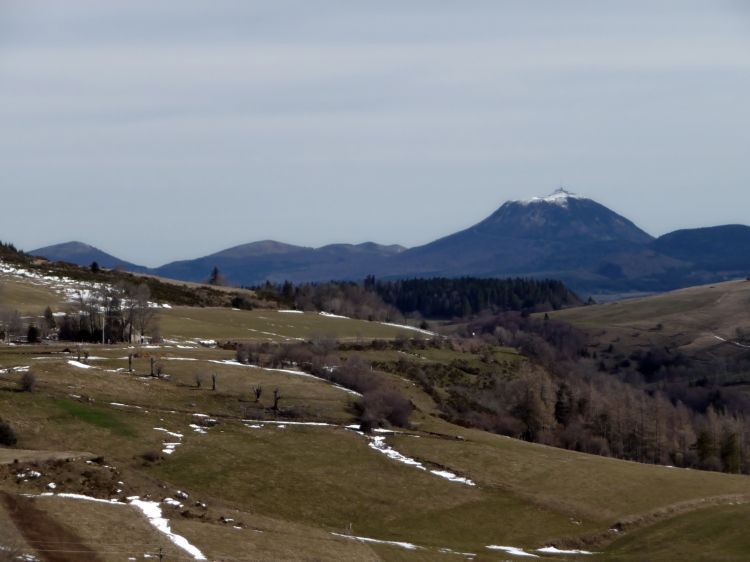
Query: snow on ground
(173, 502)
(78, 364)
(412, 328)
(233, 363)
(22, 369)
(30, 475)
(559, 197)
(406, 545)
(378, 444)
(254, 423)
(118, 405)
(512, 550)
(152, 511)
(330, 315)
(170, 446)
(291, 311)
(449, 551)
(553, 550)
(171, 433)
(70, 289)
(738, 344)
(452, 477)
(82, 498)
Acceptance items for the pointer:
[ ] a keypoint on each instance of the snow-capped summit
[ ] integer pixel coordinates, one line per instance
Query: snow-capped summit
(560, 196)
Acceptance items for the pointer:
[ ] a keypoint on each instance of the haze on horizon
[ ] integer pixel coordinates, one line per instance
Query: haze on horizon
(169, 130)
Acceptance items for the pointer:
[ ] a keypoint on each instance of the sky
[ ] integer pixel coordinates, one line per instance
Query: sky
(164, 130)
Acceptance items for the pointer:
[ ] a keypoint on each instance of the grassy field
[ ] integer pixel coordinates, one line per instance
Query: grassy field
(689, 318)
(28, 297)
(299, 484)
(267, 325)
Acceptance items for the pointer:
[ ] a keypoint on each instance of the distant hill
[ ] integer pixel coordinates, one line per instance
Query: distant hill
(725, 248)
(257, 262)
(82, 254)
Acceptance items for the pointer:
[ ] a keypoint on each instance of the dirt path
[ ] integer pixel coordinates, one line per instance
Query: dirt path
(53, 541)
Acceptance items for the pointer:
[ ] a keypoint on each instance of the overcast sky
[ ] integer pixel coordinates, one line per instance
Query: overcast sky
(161, 130)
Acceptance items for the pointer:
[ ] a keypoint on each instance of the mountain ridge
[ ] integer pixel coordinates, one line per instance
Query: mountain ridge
(564, 236)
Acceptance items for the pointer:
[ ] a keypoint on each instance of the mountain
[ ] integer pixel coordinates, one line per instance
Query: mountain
(257, 262)
(82, 254)
(555, 236)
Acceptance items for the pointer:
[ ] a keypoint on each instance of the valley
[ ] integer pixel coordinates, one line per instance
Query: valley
(192, 464)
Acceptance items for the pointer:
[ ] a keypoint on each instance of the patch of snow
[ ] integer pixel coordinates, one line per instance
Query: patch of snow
(449, 551)
(512, 550)
(165, 305)
(197, 428)
(406, 545)
(170, 448)
(173, 502)
(51, 486)
(172, 433)
(79, 365)
(553, 550)
(379, 444)
(559, 197)
(291, 311)
(737, 344)
(329, 315)
(276, 422)
(152, 511)
(453, 477)
(412, 328)
(82, 498)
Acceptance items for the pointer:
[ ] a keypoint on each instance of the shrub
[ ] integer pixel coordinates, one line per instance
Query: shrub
(151, 456)
(8, 436)
(32, 335)
(383, 405)
(28, 382)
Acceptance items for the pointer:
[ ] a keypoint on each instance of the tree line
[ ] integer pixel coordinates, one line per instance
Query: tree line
(434, 298)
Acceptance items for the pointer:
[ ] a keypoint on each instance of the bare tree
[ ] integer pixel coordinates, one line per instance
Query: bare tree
(144, 313)
(216, 277)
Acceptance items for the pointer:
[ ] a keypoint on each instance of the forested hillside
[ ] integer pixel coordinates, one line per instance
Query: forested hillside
(436, 298)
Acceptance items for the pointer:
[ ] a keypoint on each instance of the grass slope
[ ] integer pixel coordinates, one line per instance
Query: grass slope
(306, 481)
